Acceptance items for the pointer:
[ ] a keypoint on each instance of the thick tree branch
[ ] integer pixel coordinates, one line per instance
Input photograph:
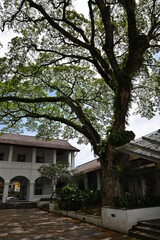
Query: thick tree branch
(92, 22)
(108, 47)
(89, 130)
(57, 26)
(94, 52)
(138, 43)
(130, 6)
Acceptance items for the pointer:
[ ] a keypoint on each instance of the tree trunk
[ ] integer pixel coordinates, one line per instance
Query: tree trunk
(111, 175)
(113, 161)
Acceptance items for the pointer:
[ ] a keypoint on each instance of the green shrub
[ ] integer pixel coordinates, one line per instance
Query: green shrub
(126, 201)
(73, 199)
(151, 200)
(130, 201)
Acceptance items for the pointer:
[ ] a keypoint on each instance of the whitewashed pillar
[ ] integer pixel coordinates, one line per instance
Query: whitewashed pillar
(10, 155)
(33, 155)
(86, 183)
(72, 160)
(99, 181)
(69, 160)
(5, 191)
(31, 190)
(143, 187)
(54, 156)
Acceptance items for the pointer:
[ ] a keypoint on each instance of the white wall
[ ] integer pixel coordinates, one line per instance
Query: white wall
(28, 169)
(121, 220)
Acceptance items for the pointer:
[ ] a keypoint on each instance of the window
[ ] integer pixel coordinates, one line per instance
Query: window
(38, 188)
(38, 191)
(1, 156)
(21, 158)
(40, 159)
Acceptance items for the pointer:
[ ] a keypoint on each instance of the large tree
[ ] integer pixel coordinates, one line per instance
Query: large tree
(75, 76)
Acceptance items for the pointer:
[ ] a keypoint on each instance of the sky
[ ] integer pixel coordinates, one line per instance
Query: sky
(140, 126)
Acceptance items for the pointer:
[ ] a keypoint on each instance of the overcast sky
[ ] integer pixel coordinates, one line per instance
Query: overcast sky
(140, 126)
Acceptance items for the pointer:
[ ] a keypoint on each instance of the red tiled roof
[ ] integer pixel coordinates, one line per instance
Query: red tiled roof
(31, 141)
(89, 166)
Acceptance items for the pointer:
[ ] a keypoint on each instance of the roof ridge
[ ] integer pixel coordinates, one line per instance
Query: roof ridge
(27, 140)
(148, 134)
(24, 135)
(87, 162)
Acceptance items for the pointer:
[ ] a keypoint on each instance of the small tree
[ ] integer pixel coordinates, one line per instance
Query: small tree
(55, 173)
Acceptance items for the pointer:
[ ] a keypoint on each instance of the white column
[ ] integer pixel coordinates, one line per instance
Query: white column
(33, 155)
(69, 161)
(72, 160)
(54, 156)
(86, 183)
(143, 187)
(10, 155)
(5, 191)
(99, 181)
(31, 189)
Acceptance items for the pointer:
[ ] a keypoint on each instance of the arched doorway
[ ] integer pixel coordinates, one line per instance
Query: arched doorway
(43, 186)
(18, 188)
(1, 188)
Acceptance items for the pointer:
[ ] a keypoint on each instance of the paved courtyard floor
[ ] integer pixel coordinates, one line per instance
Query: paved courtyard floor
(30, 224)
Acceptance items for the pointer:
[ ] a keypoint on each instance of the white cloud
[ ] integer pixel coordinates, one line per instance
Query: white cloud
(142, 126)
(81, 7)
(5, 37)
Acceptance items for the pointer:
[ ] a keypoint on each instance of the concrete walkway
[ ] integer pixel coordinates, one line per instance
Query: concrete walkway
(30, 224)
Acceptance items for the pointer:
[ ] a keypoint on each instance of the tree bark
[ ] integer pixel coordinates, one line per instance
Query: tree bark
(113, 162)
(112, 171)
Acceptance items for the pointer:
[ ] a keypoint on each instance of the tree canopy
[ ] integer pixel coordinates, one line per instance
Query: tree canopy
(64, 69)
(76, 76)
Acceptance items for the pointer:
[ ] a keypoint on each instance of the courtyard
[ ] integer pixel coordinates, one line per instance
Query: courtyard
(30, 224)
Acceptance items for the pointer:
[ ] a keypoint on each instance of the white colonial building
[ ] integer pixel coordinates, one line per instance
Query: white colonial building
(21, 156)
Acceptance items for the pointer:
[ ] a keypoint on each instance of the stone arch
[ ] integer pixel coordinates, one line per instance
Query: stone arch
(19, 187)
(1, 188)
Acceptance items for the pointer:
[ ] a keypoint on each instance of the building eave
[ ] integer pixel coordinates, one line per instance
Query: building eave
(31, 141)
(147, 147)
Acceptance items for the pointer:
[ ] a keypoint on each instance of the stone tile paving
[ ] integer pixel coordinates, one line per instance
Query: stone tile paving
(35, 224)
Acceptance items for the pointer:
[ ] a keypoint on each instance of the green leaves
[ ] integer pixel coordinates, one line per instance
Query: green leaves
(59, 173)
(65, 74)
(119, 138)
(55, 172)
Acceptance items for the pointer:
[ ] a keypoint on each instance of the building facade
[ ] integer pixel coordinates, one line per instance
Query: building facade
(93, 172)
(142, 178)
(21, 156)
